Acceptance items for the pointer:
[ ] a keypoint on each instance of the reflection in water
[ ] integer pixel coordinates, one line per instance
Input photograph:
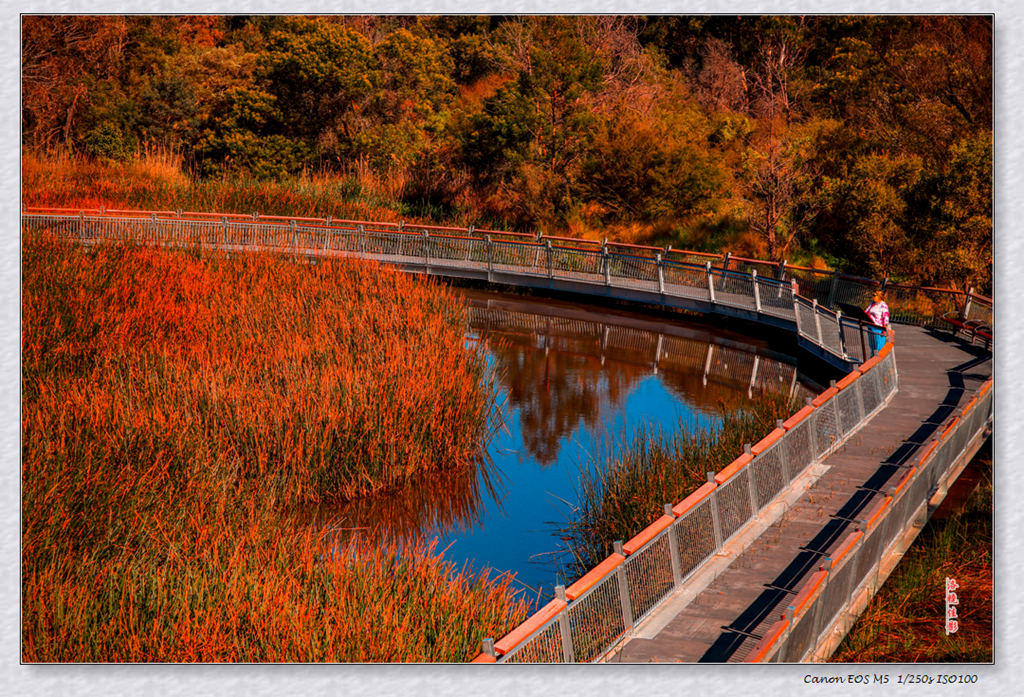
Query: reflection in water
(568, 377)
(559, 371)
(431, 502)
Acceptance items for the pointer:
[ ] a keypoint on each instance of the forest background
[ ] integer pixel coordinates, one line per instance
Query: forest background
(857, 143)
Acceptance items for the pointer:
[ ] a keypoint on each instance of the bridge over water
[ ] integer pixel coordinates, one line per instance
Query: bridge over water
(775, 556)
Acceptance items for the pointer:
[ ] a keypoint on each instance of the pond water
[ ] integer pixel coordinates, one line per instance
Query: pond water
(574, 381)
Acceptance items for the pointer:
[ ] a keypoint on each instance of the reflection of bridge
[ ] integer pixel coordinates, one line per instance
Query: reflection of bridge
(733, 366)
(774, 556)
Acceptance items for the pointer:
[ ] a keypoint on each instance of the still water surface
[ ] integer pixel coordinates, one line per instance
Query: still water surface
(574, 381)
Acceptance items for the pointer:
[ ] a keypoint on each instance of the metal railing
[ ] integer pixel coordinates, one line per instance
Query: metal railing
(588, 619)
(822, 604)
(607, 269)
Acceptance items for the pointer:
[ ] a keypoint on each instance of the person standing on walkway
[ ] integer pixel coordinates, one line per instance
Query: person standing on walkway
(878, 311)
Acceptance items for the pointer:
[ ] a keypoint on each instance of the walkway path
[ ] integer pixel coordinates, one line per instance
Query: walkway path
(725, 620)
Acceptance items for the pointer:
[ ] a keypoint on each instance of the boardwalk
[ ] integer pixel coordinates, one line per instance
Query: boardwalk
(724, 621)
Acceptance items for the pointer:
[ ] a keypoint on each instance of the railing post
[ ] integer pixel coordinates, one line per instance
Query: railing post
(782, 459)
(563, 626)
(551, 272)
(784, 642)
(605, 263)
(426, 249)
(487, 647)
(291, 226)
(782, 269)
(842, 338)
(673, 549)
(812, 435)
(657, 352)
(757, 291)
(725, 261)
(965, 313)
(817, 320)
(620, 576)
(716, 521)
(832, 288)
(361, 232)
(661, 276)
(707, 364)
(863, 341)
(490, 259)
(711, 283)
(796, 306)
(751, 486)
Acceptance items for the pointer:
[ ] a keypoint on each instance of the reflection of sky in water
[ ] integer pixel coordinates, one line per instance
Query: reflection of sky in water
(517, 530)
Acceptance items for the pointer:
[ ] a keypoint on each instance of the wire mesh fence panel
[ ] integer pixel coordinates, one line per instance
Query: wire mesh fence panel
(870, 549)
(633, 271)
(768, 473)
(920, 306)
(573, 262)
(399, 245)
(800, 637)
(451, 249)
(649, 575)
(856, 340)
(543, 647)
(806, 320)
(830, 338)
(979, 311)
(811, 284)
(848, 406)
(826, 427)
(734, 289)
(798, 448)
(887, 375)
(695, 535)
(852, 291)
(595, 619)
(519, 257)
(870, 392)
(775, 298)
(836, 594)
(734, 502)
(685, 281)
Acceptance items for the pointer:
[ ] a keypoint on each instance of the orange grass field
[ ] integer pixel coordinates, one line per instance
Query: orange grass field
(176, 405)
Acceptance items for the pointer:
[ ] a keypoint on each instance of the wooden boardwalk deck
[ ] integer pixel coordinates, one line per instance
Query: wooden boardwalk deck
(724, 621)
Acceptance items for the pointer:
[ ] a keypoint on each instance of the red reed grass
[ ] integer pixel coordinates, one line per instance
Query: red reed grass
(176, 403)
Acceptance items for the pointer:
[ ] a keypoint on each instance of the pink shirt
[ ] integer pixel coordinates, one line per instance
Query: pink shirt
(879, 313)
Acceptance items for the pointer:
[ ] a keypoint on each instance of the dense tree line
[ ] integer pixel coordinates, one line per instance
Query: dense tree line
(863, 142)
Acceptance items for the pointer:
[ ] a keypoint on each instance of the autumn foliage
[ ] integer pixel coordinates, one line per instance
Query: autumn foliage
(861, 142)
(178, 405)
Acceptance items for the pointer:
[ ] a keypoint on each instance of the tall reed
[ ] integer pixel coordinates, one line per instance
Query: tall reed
(176, 404)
